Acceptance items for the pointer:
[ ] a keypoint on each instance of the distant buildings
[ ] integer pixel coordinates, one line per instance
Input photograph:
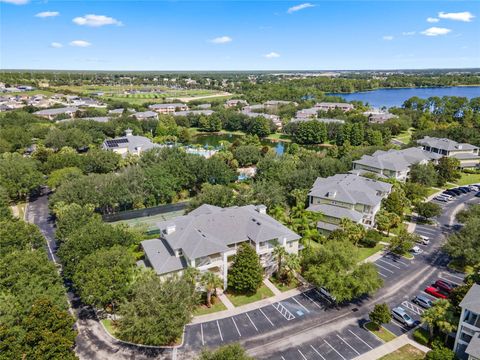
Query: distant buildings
(209, 236)
(129, 144)
(145, 115)
(51, 114)
(193, 112)
(326, 121)
(467, 154)
(326, 106)
(378, 117)
(168, 108)
(467, 340)
(348, 196)
(235, 102)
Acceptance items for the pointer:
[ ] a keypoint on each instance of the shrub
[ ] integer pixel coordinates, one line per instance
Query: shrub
(421, 336)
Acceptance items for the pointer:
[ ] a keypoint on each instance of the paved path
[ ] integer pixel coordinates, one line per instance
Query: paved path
(272, 287)
(226, 301)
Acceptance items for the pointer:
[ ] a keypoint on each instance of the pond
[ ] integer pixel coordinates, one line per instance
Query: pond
(216, 140)
(396, 97)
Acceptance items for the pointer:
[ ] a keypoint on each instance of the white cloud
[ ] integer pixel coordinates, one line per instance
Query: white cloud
(272, 55)
(432, 20)
(80, 43)
(299, 7)
(408, 33)
(93, 20)
(16, 2)
(465, 16)
(387, 37)
(221, 40)
(436, 31)
(56, 45)
(46, 14)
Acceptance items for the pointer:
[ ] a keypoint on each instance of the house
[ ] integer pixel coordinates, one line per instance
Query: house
(145, 115)
(467, 154)
(193, 112)
(326, 106)
(51, 114)
(467, 342)
(168, 108)
(378, 117)
(275, 104)
(307, 114)
(394, 163)
(273, 118)
(324, 120)
(346, 196)
(235, 102)
(208, 237)
(129, 144)
(116, 112)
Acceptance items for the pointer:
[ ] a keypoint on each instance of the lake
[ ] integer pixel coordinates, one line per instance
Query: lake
(396, 97)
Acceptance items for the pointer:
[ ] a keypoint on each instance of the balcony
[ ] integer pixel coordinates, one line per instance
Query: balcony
(208, 260)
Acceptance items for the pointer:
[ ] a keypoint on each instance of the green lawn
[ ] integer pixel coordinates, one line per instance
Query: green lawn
(383, 333)
(366, 252)
(283, 287)
(406, 352)
(467, 179)
(203, 310)
(279, 137)
(405, 136)
(109, 326)
(239, 299)
(432, 191)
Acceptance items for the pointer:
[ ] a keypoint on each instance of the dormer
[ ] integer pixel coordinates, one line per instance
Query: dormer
(178, 252)
(331, 194)
(170, 228)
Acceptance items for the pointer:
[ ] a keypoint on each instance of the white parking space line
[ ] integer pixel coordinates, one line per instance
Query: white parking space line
(236, 327)
(343, 357)
(431, 297)
(251, 321)
(456, 276)
(384, 268)
(382, 274)
(201, 331)
(266, 317)
(346, 343)
(283, 311)
(447, 279)
(303, 307)
(389, 264)
(317, 352)
(396, 260)
(359, 338)
(313, 301)
(412, 307)
(302, 354)
(283, 358)
(395, 322)
(219, 331)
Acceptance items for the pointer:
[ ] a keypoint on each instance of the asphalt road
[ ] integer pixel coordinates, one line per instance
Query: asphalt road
(302, 327)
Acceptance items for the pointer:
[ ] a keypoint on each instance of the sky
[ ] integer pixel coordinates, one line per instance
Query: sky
(239, 35)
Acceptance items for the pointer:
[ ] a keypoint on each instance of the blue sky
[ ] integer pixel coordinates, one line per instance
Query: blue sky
(239, 35)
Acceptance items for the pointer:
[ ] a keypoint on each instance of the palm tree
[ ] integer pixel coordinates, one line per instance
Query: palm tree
(439, 316)
(279, 252)
(210, 282)
(292, 266)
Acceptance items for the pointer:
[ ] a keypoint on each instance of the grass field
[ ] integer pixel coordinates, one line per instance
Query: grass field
(383, 333)
(203, 309)
(148, 223)
(239, 299)
(406, 352)
(279, 137)
(109, 326)
(467, 179)
(366, 252)
(405, 136)
(283, 287)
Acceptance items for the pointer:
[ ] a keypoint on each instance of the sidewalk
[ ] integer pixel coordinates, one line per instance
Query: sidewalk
(390, 347)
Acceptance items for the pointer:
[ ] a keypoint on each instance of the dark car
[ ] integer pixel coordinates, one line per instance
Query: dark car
(456, 192)
(477, 194)
(466, 188)
(444, 286)
(463, 191)
(451, 193)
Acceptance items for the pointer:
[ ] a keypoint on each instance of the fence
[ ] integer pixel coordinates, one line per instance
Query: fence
(133, 214)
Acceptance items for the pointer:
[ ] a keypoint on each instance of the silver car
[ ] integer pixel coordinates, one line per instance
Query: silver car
(423, 301)
(401, 315)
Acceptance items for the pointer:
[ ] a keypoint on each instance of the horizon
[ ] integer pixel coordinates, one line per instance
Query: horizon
(206, 36)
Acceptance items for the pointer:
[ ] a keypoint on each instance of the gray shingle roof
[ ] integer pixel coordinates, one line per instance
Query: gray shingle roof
(161, 258)
(209, 229)
(396, 160)
(336, 212)
(145, 115)
(445, 144)
(351, 189)
(326, 226)
(130, 142)
(473, 348)
(57, 111)
(166, 106)
(471, 301)
(193, 112)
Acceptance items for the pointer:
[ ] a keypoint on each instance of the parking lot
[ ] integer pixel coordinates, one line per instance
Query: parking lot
(214, 333)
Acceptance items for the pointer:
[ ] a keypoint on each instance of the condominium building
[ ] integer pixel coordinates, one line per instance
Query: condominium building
(467, 154)
(467, 342)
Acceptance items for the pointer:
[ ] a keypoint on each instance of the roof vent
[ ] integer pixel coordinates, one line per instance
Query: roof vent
(128, 132)
(261, 209)
(171, 227)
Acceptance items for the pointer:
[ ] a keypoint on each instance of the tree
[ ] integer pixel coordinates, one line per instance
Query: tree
(440, 317)
(448, 170)
(104, 277)
(279, 253)
(349, 230)
(464, 246)
(424, 174)
(292, 266)
(19, 175)
(428, 210)
(19, 235)
(246, 273)
(58, 177)
(440, 353)
(101, 161)
(386, 221)
(157, 310)
(226, 352)
(210, 282)
(310, 132)
(259, 126)
(247, 155)
(396, 202)
(335, 266)
(403, 242)
(217, 195)
(5, 211)
(380, 314)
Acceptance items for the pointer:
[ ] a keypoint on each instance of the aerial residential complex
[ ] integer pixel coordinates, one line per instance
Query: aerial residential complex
(347, 196)
(467, 341)
(209, 236)
(467, 154)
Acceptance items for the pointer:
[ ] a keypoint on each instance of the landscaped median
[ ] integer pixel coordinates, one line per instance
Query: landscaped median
(263, 292)
(379, 331)
(406, 352)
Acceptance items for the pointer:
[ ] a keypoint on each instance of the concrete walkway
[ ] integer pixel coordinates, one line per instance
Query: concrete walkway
(272, 287)
(390, 347)
(225, 300)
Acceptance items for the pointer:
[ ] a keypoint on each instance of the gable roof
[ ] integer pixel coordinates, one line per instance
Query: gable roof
(337, 212)
(56, 111)
(161, 257)
(445, 144)
(209, 229)
(130, 142)
(351, 189)
(471, 301)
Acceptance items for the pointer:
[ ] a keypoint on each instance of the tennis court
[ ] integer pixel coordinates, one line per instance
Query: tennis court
(148, 223)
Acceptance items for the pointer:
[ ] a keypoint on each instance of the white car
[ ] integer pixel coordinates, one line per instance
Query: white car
(416, 250)
(441, 198)
(425, 240)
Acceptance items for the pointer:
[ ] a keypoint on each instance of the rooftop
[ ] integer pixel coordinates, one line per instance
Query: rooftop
(471, 301)
(445, 144)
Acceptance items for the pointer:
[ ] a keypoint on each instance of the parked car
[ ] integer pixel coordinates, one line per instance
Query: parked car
(440, 198)
(477, 194)
(425, 240)
(444, 285)
(436, 292)
(474, 187)
(456, 192)
(326, 294)
(401, 315)
(466, 188)
(462, 190)
(416, 250)
(423, 301)
(451, 193)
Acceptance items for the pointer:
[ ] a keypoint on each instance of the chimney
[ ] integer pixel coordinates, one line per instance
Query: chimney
(261, 209)
(128, 132)
(170, 228)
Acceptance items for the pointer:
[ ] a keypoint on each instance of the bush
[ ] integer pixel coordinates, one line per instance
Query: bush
(369, 243)
(421, 336)
(374, 235)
